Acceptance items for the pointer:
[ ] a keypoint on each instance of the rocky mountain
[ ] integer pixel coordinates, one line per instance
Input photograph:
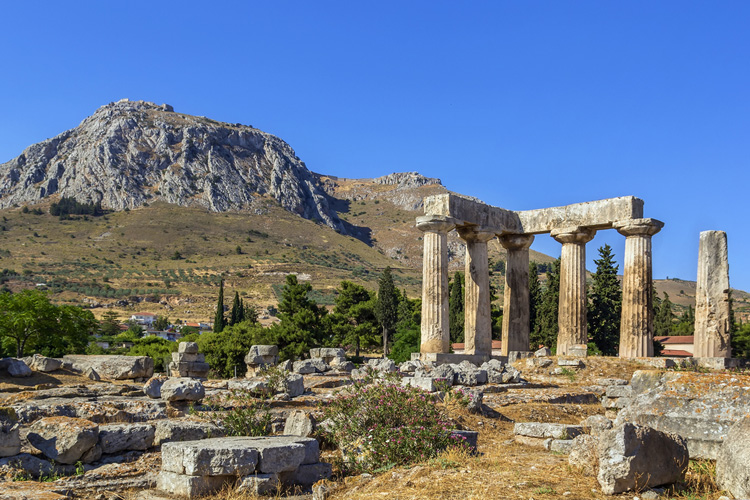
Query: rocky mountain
(131, 153)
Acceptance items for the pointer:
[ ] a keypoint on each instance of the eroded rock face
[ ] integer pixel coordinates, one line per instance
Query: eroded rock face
(127, 150)
(182, 389)
(732, 469)
(63, 439)
(635, 457)
(40, 363)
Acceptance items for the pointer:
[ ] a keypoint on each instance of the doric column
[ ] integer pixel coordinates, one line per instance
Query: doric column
(637, 321)
(571, 317)
(477, 319)
(712, 328)
(516, 319)
(435, 326)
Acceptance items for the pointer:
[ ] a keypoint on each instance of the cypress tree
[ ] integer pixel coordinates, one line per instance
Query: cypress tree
(605, 304)
(664, 318)
(219, 322)
(456, 308)
(546, 324)
(237, 312)
(535, 295)
(386, 308)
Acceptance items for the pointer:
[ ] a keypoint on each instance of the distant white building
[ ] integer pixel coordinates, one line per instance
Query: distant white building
(144, 318)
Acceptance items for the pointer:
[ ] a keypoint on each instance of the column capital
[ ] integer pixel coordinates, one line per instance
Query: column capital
(638, 227)
(435, 223)
(475, 234)
(573, 234)
(516, 241)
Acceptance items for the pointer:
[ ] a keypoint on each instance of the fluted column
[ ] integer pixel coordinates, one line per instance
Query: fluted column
(712, 327)
(571, 317)
(435, 327)
(516, 316)
(637, 321)
(477, 318)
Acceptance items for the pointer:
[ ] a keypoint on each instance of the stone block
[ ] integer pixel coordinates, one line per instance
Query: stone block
(63, 439)
(717, 363)
(309, 474)
(264, 350)
(10, 440)
(578, 350)
(152, 387)
(16, 368)
(572, 363)
(182, 389)
(211, 457)
(471, 378)
(253, 386)
(299, 423)
(424, 383)
(304, 367)
(616, 403)
(169, 430)
(113, 367)
(543, 352)
(537, 442)
(114, 438)
(188, 347)
(191, 486)
(635, 457)
(732, 470)
(295, 385)
(596, 424)
(279, 454)
(546, 430)
(469, 438)
(619, 391)
(561, 445)
(514, 356)
(382, 365)
(584, 454)
(258, 484)
(43, 364)
(606, 382)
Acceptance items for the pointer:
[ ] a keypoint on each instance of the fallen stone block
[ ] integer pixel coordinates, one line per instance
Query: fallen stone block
(633, 457)
(182, 389)
(578, 350)
(617, 403)
(16, 368)
(732, 469)
(43, 364)
(471, 378)
(572, 363)
(258, 484)
(309, 474)
(152, 387)
(304, 367)
(546, 430)
(169, 430)
(385, 365)
(424, 383)
(253, 386)
(543, 352)
(584, 454)
(595, 424)
(619, 391)
(10, 440)
(210, 457)
(294, 385)
(63, 439)
(468, 438)
(91, 374)
(191, 486)
(561, 445)
(114, 438)
(299, 423)
(112, 367)
(34, 467)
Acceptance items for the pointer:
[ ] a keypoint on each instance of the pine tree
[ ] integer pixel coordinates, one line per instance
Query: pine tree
(664, 318)
(546, 324)
(386, 308)
(535, 295)
(353, 320)
(456, 308)
(605, 304)
(301, 326)
(219, 322)
(686, 323)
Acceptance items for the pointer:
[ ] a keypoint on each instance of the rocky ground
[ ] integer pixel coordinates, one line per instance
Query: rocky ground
(505, 466)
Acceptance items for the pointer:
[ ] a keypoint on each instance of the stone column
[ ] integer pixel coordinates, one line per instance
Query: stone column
(516, 316)
(435, 327)
(712, 328)
(637, 321)
(477, 320)
(571, 316)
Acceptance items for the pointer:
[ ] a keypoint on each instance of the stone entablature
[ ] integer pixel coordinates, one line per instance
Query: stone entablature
(573, 226)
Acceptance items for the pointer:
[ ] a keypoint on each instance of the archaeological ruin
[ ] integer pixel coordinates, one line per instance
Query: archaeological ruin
(573, 225)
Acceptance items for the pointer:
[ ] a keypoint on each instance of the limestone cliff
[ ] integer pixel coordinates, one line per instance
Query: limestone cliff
(129, 153)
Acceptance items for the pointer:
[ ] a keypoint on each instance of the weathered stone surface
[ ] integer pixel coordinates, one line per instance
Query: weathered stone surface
(700, 407)
(304, 366)
(210, 457)
(299, 423)
(596, 424)
(295, 385)
(635, 457)
(477, 321)
(382, 365)
(424, 383)
(191, 486)
(16, 368)
(279, 454)
(40, 363)
(307, 475)
(342, 365)
(253, 386)
(184, 430)
(63, 439)
(152, 387)
(29, 465)
(584, 454)
(182, 389)
(732, 462)
(471, 377)
(543, 352)
(573, 363)
(469, 438)
(91, 374)
(445, 372)
(435, 332)
(561, 445)
(545, 430)
(10, 440)
(258, 484)
(712, 305)
(619, 391)
(188, 347)
(115, 438)
(113, 367)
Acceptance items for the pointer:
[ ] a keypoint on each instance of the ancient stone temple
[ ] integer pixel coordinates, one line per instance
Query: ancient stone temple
(573, 226)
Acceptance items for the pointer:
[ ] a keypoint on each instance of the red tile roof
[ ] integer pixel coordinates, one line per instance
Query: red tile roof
(676, 353)
(675, 339)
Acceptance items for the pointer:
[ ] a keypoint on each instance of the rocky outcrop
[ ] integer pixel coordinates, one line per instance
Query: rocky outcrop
(129, 153)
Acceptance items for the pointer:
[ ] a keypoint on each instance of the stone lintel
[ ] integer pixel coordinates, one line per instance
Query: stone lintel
(599, 214)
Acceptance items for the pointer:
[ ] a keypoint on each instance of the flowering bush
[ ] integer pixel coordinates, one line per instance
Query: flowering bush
(383, 425)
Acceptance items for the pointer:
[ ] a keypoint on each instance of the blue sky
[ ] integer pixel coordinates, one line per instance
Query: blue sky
(521, 104)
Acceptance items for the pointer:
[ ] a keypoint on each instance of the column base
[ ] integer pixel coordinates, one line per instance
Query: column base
(443, 358)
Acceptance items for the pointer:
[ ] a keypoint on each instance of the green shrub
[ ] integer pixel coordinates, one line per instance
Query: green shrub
(246, 416)
(385, 425)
